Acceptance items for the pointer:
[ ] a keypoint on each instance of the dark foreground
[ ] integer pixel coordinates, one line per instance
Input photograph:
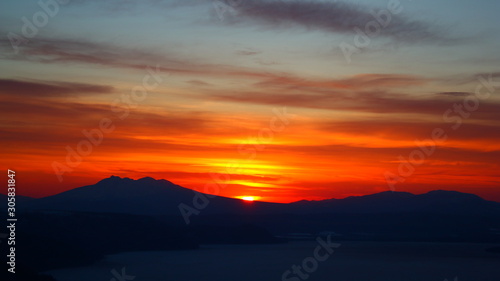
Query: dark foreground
(351, 261)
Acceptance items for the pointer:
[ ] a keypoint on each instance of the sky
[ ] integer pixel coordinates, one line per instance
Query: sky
(279, 100)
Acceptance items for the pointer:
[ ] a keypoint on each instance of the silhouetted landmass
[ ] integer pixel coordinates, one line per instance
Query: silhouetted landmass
(148, 196)
(388, 216)
(48, 240)
(56, 239)
(115, 215)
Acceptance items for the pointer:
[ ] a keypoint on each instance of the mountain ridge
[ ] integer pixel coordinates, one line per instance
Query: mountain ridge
(149, 196)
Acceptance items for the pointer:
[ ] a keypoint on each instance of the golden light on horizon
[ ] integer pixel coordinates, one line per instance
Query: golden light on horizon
(248, 198)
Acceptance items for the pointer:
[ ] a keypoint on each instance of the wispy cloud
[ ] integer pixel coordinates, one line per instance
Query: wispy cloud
(23, 88)
(198, 83)
(45, 50)
(248, 52)
(361, 81)
(335, 17)
(340, 96)
(454, 94)
(398, 130)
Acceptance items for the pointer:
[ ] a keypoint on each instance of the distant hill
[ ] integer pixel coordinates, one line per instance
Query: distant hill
(147, 196)
(437, 202)
(434, 216)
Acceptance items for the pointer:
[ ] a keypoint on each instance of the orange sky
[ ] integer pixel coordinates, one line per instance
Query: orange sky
(277, 114)
(279, 154)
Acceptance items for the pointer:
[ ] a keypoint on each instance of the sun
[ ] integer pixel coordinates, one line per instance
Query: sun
(248, 198)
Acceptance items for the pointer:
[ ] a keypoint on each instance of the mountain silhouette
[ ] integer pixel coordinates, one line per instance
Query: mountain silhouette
(115, 214)
(145, 196)
(438, 201)
(118, 195)
(148, 196)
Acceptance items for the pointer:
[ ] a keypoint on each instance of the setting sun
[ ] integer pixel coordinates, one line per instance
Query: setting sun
(248, 198)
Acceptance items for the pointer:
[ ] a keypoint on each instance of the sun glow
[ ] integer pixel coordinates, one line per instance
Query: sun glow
(248, 198)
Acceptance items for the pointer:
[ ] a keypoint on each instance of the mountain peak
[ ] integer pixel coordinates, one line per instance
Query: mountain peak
(139, 185)
(113, 180)
(384, 195)
(148, 180)
(449, 194)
